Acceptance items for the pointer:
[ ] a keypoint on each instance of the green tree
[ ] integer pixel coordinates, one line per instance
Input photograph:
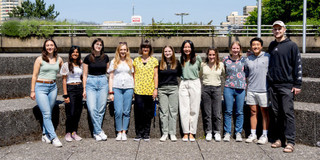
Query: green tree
(34, 10)
(285, 10)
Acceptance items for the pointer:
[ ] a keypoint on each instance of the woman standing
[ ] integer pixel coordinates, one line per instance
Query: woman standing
(234, 90)
(189, 90)
(145, 90)
(121, 88)
(44, 88)
(95, 86)
(210, 73)
(169, 71)
(71, 72)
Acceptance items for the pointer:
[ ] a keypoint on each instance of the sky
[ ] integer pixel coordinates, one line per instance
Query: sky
(98, 11)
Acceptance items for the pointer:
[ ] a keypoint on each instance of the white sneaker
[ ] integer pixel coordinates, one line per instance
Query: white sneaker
(209, 137)
(103, 136)
(226, 137)
(263, 139)
(217, 137)
(124, 136)
(45, 139)
(97, 137)
(238, 137)
(119, 137)
(251, 138)
(56, 142)
(163, 138)
(173, 138)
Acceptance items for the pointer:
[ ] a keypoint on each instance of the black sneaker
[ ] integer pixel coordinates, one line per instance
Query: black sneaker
(146, 138)
(137, 138)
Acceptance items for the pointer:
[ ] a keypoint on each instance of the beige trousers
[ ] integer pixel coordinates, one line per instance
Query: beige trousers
(189, 104)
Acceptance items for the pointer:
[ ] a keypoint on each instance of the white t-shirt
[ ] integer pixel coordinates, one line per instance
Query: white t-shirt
(122, 76)
(71, 77)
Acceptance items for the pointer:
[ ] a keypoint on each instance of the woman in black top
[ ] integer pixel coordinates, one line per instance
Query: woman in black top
(95, 86)
(169, 71)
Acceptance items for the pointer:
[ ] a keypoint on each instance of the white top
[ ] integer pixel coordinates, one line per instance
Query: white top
(122, 76)
(71, 77)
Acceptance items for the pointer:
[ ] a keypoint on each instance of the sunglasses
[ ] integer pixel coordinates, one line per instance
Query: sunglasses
(123, 43)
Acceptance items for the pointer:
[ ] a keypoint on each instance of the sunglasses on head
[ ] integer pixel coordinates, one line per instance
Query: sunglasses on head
(123, 43)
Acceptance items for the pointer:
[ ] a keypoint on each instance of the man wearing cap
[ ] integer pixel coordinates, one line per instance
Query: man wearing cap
(284, 79)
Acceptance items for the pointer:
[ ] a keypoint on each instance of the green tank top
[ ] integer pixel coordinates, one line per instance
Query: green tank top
(48, 71)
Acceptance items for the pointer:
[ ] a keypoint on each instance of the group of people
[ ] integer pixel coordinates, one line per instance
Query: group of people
(275, 75)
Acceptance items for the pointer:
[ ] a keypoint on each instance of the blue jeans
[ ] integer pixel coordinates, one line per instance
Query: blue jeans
(46, 95)
(122, 107)
(230, 94)
(97, 93)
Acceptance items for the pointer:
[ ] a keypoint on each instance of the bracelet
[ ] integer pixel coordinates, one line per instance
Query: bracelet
(156, 88)
(65, 96)
(32, 91)
(111, 92)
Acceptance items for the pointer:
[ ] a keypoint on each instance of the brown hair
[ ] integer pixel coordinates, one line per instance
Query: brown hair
(144, 44)
(44, 52)
(163, 64)
(91, 58)
(216, 57)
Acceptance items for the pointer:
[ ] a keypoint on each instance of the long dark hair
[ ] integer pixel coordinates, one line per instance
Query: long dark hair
(78, 61)
(216, 57)
(44, 52)
(183, 57)
(92, 50)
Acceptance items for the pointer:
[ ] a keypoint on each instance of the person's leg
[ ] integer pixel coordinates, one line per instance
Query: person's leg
(289, 119)
(195, 91)
(253, 117)
(184, 107)
(70, 108)
(91, 91)
(239, 101)
(273, 95)
(216, 110)
(78, 107)
(102, 96)
(207, 108)
(45, 97)
(173, 109)
(127, 103)
(263, 103)
(118, 108)
(164, 109)
(138, 114)
(228, 100)
(148, 114)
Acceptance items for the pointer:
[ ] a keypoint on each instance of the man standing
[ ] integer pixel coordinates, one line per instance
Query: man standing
(256, 68)
(284, 79)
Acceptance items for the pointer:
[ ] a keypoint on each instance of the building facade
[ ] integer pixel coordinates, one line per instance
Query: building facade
(7, 6)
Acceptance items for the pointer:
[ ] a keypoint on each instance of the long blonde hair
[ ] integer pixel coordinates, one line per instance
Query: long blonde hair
(117, 56)
(163, 64)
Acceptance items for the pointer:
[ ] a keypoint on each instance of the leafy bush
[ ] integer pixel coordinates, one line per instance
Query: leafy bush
(11, 28)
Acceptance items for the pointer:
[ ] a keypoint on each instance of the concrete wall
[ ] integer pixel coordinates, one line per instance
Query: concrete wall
(16, 45)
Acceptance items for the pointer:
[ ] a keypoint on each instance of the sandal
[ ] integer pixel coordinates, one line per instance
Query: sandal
(276, 144)
(289, 148)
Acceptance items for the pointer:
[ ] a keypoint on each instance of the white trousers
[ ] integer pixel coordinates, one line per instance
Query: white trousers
(189, 104)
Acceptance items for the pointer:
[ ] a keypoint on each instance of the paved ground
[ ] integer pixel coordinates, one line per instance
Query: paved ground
(111, 149)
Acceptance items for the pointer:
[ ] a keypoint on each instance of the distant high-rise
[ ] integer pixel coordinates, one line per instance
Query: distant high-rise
(7, 6)
(235, 19)
(248, 9)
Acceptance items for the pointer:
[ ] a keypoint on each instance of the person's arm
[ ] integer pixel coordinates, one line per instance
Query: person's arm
(64, 87)
(155, 78)
(84, 78)
(297, 71)
(36, 68)
(111, 75)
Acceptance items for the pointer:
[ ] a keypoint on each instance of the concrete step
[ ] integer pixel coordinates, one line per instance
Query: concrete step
(21, 64)
(20, 121)
(18, 86)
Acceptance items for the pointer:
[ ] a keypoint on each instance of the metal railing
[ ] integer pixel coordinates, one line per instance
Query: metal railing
(173, 30)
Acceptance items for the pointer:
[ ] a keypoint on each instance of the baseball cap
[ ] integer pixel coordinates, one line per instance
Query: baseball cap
(280, 23)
